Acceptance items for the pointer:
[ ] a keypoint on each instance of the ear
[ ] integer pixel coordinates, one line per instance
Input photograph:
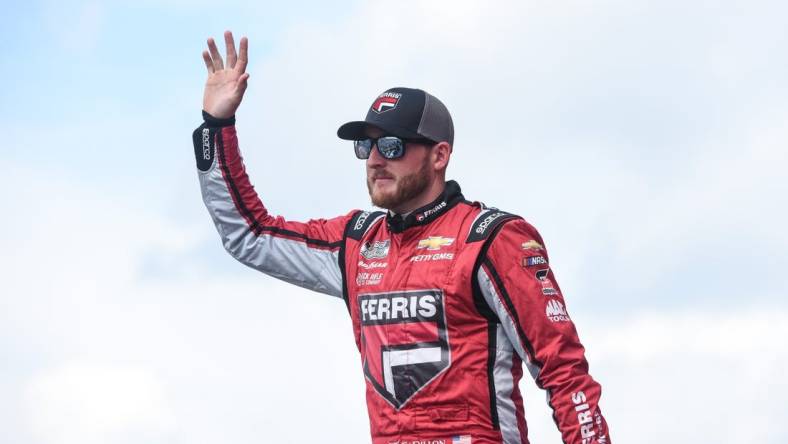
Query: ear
(441, 153)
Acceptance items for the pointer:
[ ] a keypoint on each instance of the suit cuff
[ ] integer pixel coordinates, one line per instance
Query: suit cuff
(213, 122)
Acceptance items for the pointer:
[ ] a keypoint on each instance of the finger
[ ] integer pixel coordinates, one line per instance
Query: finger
(241, 84)
(208, 62)
(217, 58)
(230, 49)
(243, 57)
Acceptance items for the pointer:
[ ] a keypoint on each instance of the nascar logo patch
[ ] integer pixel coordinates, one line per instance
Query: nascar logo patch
(530, 261)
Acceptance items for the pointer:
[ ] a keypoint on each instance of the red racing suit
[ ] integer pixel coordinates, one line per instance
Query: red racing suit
(446, 305)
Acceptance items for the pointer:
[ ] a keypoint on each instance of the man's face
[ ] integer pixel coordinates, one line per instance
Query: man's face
(393, 183)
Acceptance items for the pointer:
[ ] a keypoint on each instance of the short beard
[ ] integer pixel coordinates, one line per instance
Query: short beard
(408, 187)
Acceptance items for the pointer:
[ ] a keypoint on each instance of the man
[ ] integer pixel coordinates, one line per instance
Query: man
(447, 297)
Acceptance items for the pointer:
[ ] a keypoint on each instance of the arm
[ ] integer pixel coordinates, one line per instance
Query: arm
(517, 283)
(306, 254)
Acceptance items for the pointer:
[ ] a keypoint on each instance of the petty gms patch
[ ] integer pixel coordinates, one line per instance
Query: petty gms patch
(434, 243)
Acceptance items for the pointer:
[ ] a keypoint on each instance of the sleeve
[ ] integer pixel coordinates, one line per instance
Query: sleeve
(518, 285)
(307, 254)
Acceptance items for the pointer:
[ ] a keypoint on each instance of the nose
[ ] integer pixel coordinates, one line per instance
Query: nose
(375, 160)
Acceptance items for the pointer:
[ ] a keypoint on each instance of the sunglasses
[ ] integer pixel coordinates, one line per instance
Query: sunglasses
(390, 147)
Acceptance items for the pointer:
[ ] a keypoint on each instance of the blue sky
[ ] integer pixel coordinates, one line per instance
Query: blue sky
(646, 141)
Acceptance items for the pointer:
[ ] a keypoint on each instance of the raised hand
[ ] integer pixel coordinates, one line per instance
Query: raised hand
(225, 86)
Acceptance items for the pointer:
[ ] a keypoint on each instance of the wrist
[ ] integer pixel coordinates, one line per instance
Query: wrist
(216, 122)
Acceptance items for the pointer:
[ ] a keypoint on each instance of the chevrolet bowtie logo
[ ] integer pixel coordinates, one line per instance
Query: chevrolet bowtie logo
(435, 242)
(532, 245)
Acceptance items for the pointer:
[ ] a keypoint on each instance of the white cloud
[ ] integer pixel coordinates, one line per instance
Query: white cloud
(96, 403)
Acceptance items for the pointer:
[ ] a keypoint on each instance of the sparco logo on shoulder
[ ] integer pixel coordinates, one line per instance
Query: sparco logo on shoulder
(361, 219)
(404, 342)
(487, 221)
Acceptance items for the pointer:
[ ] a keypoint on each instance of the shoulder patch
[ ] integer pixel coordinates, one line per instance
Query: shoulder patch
(204, 149)
(486, 222)
(361, 222)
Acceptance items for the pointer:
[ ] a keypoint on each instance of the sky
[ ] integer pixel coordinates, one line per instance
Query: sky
(647, 141)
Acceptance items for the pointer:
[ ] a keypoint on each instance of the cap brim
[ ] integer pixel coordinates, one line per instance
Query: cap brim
(358, 130)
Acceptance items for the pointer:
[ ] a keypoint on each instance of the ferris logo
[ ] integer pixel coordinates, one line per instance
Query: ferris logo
(385, 102)
(431, 211)
(396, 307)
(556, 312)
(584, 419)
(404, 341)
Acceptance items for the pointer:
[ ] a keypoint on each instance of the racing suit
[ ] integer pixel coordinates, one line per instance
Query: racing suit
(446, 305)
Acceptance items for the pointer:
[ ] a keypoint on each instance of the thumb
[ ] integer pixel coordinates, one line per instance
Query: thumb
(241, 84)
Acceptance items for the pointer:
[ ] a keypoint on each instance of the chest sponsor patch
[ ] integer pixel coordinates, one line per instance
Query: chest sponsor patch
(435, 243)
(371, 265)
(404, 342)
(376, 249)
(365, 278)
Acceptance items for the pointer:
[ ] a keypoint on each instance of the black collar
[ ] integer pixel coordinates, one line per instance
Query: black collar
(450, 197)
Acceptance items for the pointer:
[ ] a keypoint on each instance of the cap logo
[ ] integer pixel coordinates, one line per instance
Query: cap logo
(386, 101)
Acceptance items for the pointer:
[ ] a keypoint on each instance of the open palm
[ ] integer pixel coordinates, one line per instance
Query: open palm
(225, 86)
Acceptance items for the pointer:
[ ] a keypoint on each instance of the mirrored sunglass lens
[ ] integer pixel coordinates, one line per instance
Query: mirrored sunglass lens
(390, 147)
(362, 148)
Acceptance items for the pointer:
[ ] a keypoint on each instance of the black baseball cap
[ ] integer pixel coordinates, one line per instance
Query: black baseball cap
(404, 112)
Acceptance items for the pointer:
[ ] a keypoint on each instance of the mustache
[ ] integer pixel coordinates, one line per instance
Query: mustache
(380, 175)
